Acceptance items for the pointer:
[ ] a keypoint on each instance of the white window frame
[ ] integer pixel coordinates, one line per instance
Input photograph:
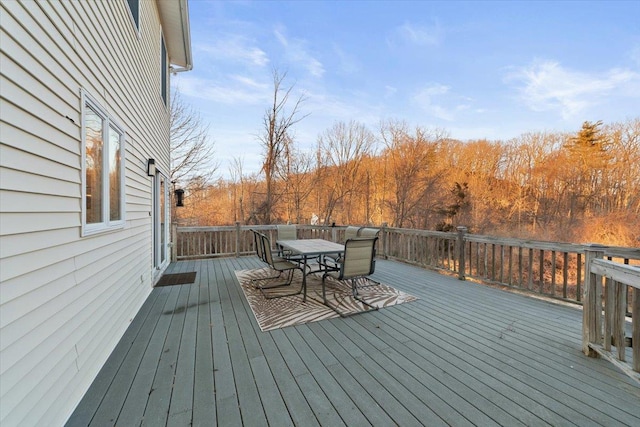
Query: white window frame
(159, 215)
(164, 76)
(107, 122)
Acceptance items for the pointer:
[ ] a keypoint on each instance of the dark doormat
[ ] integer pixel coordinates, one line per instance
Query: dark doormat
(177, 279)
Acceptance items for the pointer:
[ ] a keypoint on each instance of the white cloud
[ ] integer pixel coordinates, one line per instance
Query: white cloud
(426, 97)
(390, 91)
(635, 55)
(278, 32)
(296, 52)
(547, 86)
(244, 91)
(235, 47)
(420, 35)
(347, 63)
(249, 82)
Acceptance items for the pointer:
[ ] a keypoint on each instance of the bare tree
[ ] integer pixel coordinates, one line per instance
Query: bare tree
(191, 148)
(276, 135)
(237, 178)
(296, 173)
(410, 159)
(343, 149)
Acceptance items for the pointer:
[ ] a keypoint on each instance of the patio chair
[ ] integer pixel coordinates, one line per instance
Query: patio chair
(351, 232)
(333, 260)
(280, 265)
(357, 263)
(368, 232)
(257, 242)
(257, 239)
(286, 232)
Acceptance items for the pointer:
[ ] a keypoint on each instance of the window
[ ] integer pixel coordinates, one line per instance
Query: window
(134, 8)
(103, 169)
(165, 70)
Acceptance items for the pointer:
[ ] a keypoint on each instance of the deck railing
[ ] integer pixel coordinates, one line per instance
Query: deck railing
(235, 240)
(552, 269)
(615, 287)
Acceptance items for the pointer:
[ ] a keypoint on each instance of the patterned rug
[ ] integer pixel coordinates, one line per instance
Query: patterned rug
(290, 310)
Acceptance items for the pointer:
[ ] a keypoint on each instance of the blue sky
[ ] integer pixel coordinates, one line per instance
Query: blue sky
(490, 70)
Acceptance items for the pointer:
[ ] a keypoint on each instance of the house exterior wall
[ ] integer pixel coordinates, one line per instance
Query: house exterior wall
(65, 299)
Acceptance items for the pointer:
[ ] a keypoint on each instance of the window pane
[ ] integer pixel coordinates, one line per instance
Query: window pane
(93, 179)
(114, 175)
(134, 6)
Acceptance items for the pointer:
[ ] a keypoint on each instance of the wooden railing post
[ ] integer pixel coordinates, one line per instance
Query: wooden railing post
(174, 242)
(237, 239)
(460, 252)
(384, 238)
(592, 300)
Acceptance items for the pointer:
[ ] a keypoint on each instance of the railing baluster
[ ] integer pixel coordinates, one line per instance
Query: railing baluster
(520, 266)
(635, 334)
(486, 262)
(579, 277)
(565, 273)
(493, 262)
(609, 307)
(541, 270)
(501, 263)
(553, 273)
(530, 274)
(619, 311)
(510, 265)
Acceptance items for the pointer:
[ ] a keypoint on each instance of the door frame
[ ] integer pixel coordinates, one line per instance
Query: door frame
(160, 221)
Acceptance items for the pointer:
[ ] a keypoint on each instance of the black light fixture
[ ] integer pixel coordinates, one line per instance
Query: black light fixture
(151, 167)
(179, 197)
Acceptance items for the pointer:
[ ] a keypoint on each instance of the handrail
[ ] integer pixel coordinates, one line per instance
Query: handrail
(608, 287)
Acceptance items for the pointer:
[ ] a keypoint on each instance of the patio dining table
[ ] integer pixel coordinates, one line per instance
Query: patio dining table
(308, 249)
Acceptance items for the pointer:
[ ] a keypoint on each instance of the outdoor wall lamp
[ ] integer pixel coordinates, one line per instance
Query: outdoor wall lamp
(179, 197)
(151, 167)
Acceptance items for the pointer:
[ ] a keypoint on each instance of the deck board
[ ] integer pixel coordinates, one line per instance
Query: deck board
(204, 407)
(462, 354)
(227, 405)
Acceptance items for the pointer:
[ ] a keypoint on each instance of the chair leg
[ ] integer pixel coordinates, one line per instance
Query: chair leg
(325, 301)
(256, 282)
(278, 285)
(354, 292)
(369, 282)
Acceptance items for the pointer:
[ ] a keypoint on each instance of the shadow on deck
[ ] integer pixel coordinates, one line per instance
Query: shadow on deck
(463, 354)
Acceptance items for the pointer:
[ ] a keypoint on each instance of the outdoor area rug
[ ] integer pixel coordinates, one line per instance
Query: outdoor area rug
(288, 311)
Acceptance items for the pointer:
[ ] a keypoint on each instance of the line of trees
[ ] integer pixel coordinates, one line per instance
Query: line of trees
(577, 187)
(552, 186)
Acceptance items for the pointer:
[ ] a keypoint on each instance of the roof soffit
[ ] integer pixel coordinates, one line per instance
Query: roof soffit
(174, 15)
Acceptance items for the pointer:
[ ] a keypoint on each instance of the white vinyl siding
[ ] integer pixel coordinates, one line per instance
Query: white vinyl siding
(65, 300)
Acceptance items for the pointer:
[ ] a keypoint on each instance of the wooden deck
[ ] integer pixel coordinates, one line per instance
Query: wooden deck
(463, 354)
